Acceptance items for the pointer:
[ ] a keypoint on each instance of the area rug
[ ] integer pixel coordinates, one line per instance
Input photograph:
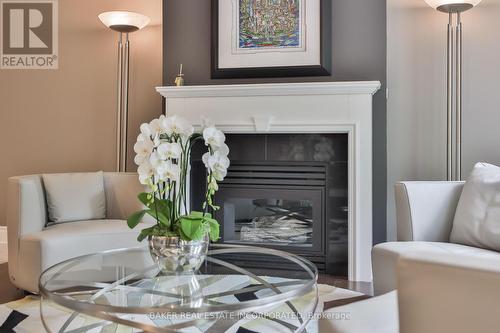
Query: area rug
(23, 316)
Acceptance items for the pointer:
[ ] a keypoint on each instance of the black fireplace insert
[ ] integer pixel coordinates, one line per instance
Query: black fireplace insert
(284, 191)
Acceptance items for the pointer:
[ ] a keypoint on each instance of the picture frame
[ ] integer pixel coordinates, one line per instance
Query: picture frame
(237, 54)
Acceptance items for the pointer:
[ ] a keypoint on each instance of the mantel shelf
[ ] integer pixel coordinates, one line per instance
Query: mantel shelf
(271, 89)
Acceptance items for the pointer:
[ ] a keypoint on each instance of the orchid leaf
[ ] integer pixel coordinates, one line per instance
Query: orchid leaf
(163, 205)
(145, 233)
(146, 199)
(195, 214)
(160, 217)
(214, 229)
(192, 228)
(134, 219)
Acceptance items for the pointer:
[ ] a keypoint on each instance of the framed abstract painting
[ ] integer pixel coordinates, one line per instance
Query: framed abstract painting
(271, 38)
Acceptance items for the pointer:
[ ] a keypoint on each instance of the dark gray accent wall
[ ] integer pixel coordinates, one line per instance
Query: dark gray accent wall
(358, 53)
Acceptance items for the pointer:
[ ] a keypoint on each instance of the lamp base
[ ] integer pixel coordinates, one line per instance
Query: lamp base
(455, 7)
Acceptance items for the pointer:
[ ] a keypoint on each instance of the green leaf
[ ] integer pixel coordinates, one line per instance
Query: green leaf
(214, 230)
(146, 199)
(160, 217)
(196, 215)
(134, 219)
(192, 228)
(164, 206)
(145, 233)
(183, 235)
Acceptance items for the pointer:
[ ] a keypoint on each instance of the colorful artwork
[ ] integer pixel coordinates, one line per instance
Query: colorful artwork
(269, 24)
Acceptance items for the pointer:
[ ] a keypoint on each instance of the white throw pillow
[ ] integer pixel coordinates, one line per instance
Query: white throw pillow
(75, 196)
(477, 219)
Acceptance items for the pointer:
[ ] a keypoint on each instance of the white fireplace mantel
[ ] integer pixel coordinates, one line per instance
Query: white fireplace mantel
(317, 107)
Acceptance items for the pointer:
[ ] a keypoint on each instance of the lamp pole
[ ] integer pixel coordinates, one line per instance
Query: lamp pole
(454, 92)
(122, 96)
(122, 103)
(124, 23)
(453, 85)
(449, 101)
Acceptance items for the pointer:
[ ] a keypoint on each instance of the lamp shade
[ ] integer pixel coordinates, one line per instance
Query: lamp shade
(123, 21)
(452, 5)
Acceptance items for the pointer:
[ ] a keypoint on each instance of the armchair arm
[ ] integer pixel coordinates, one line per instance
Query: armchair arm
(449, 293)
(26, 213)
(425, 210)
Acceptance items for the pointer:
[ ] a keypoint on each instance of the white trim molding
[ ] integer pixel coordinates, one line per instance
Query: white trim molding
(272, 89)
(3, 234)
(319, 107)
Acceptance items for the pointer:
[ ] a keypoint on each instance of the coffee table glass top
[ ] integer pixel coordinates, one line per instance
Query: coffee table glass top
(237, 288)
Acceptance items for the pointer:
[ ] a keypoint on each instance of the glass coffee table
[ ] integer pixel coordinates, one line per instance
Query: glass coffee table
(238, 289)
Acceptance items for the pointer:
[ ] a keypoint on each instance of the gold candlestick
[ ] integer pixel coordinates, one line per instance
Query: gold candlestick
(179, 80)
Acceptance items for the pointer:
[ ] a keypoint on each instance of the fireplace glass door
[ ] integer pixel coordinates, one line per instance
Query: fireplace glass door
(281, 217)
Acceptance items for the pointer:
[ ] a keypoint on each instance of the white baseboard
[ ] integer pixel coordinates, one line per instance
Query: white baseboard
(3, 245)
(3, 234)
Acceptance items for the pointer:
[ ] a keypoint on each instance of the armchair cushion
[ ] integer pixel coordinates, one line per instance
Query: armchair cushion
(385, 257)
(448, 293)
(477, 219)
(75, 197)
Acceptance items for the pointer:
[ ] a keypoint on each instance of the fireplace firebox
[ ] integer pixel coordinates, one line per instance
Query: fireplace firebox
(284, 191)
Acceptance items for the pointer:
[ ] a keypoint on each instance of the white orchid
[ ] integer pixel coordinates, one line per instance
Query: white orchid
(155, 127)
(177, 125)
(145, 171)
(162, 155)
(169, 150)
(142, 137)
(139, 159)
(155, 160)
(213, 137)
(223, 150)
(143, 150)
(168, 171)
(146, 130)
(217, 164)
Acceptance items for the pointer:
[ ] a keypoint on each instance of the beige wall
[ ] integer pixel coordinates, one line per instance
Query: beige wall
(64, 120)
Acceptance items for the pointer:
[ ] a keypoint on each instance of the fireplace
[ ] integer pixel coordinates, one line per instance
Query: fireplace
(284, 191)
(316, 108)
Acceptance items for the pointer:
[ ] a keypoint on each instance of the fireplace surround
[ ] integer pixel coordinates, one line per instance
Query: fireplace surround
(299, 108)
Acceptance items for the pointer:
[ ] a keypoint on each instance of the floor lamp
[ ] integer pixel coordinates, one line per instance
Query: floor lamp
(124, 23)
(454, 82)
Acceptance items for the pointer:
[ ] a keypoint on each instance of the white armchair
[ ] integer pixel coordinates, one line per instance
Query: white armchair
(436, 293)
(441, 286)
(425, 212)
(33, 247)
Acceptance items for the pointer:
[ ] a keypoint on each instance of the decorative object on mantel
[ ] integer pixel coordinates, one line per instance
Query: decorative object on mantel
(179, 240)
(123, 22)
(179, 79)
(454, 89)
(270, 38)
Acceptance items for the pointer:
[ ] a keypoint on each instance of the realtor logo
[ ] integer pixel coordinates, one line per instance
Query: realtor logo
(28, 34)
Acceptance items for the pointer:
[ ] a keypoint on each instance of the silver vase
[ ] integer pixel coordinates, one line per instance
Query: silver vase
(176, 256)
